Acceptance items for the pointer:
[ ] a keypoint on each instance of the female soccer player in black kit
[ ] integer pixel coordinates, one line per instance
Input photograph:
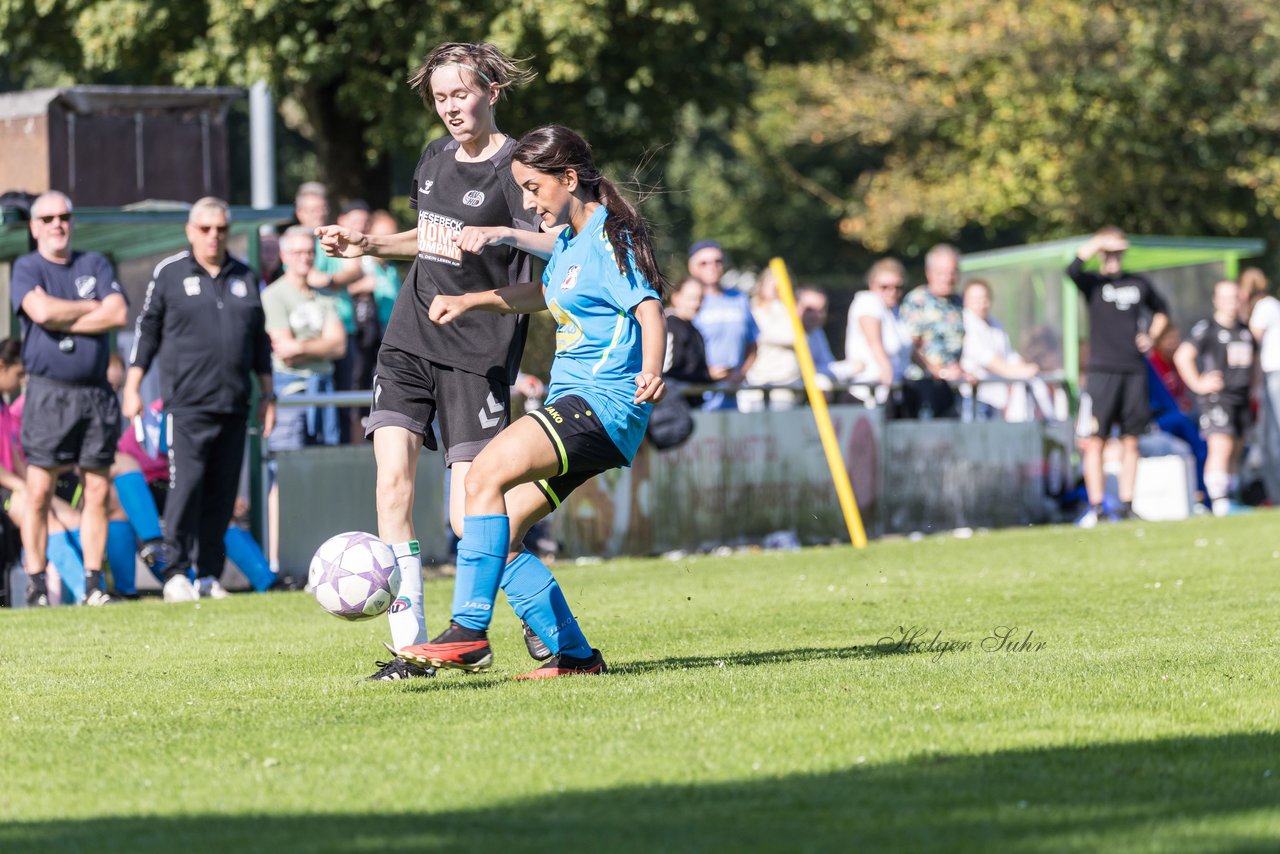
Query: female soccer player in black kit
(1218, 363)
(472, 235)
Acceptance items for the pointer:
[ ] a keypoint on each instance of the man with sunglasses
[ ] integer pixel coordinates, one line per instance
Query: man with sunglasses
(69, 302)
(202, 320)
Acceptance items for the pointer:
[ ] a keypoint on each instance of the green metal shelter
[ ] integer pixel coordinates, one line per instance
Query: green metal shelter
(1038, 303)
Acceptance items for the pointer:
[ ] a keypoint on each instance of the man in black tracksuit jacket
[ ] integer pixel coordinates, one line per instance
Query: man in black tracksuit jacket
(204, 322)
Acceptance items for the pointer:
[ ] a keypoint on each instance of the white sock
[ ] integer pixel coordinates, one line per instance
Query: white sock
(1216, 484)
(408, 623)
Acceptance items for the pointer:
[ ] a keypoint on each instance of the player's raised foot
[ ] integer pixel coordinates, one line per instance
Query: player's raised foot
(178, 588)
(397, 669)
(568, 665)
(457, 648)
(152, 554)
(538, 650)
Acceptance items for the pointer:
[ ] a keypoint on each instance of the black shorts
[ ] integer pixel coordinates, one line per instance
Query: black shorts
(410, 392)
(1118, 400)
(1228, 417)
(67, 425)
(583, 444)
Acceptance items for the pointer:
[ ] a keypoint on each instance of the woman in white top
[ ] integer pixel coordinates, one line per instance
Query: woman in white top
(1262, 312)
(776, 361)
(987, 353)
(876, 337)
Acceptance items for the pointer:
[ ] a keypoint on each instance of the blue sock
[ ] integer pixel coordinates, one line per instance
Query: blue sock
(64, 553)
(122, 554)
(481, 555)
(536, 598)
(138, 504)
(245, 553)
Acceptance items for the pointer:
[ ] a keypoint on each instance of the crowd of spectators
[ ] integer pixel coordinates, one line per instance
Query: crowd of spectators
(934, 351)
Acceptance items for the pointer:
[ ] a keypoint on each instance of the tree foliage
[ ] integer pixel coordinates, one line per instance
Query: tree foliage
(623, 71)
(1046, 118)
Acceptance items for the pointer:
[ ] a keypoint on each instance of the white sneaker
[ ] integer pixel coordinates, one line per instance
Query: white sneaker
(1222, 506)
(209, 587)
(180, 589)
(1088, 520)
(97, 598)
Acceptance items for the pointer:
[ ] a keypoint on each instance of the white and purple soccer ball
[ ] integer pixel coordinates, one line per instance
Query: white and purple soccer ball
(354, 576)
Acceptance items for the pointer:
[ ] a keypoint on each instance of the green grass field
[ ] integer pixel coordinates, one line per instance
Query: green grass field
(752, 706)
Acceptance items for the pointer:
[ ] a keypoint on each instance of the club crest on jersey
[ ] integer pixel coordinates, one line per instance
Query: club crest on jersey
(473, 199)
(239, 288)
(85, 286)
(570, 278)
(191, 284)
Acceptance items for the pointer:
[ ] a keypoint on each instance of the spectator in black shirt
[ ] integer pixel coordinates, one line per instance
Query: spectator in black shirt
(1117, 373)
(686, 351)
(203, 322)
(1218, 363)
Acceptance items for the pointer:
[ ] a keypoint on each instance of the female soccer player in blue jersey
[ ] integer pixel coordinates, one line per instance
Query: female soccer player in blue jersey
(601, 285)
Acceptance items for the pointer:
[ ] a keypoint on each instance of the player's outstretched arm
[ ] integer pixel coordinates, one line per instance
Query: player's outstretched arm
(521, 298)
(340, 242)
(475, 238)
(653, 348)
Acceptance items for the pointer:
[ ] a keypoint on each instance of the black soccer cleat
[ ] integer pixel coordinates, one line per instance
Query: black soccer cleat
(568, 665)
(538, 650)
(152, 554)
(397, 669)
(37, 592)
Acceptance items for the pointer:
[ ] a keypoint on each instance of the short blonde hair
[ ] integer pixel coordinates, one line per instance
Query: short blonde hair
(887, 265)
(209, 203)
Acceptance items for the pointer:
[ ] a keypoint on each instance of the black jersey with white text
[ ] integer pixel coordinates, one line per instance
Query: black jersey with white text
(1115, 304)
(449, 194)
(1229, 350)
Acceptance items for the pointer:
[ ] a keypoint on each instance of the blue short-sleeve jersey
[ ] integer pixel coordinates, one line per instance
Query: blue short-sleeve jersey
(727, 327)
(598, 341)
(63, 356)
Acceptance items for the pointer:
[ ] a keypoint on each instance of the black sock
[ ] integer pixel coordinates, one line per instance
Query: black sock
(92, 580)
(38, 584)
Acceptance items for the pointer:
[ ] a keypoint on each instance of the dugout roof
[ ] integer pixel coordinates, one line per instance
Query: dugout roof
(1038, 303)
(124, 234)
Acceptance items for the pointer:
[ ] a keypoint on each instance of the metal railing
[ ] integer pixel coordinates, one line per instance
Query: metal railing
(860, 392)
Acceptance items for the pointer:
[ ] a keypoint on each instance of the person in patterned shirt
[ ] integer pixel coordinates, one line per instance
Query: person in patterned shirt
(934, 315)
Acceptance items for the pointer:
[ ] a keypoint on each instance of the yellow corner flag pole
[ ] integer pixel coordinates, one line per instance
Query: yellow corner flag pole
(818, 402)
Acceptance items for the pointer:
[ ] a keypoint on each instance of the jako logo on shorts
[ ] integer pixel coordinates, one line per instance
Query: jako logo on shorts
(401, 604)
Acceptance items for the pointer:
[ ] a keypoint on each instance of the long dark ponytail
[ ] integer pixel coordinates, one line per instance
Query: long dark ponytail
(552, 149)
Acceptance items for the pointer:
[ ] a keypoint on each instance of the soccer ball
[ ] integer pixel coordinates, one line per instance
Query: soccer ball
(354, 576)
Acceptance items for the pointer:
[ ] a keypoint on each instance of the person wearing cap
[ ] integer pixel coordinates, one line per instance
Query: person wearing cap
(725, 320)
(1117, 371)
(68, 303)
